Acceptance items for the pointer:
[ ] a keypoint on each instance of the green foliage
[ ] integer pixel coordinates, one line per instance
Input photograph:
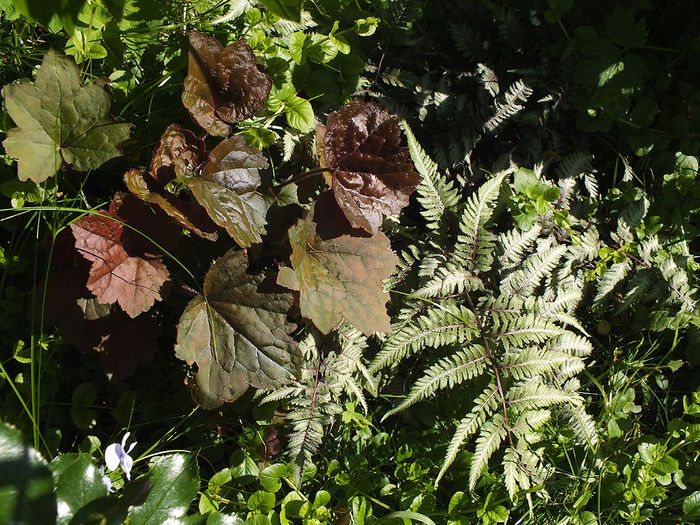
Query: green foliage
(485, 310)
(60, 119)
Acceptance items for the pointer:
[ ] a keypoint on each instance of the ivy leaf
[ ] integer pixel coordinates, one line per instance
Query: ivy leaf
(116, 275)
(372, 175)
(60, 119)
(339, 277)
(178, 152)
(227, 190)
(189, 214)
(223, 84)
(236, 334)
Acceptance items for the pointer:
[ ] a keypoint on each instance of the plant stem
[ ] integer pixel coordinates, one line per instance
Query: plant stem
(302, 176)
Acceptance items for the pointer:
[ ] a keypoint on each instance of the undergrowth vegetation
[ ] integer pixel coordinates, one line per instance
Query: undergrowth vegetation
(373, 261)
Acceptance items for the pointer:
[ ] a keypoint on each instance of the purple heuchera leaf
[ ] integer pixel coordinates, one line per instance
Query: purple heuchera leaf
(223, 84)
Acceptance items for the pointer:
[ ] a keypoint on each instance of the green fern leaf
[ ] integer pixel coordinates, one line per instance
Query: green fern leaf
(515, 97)
(449, 280)
(536, 266)
(439, 326)
(493, 432)
(476, 244)
(612, 277)
(515, 243)
(452, 370)
(435, 193)
(525, 330)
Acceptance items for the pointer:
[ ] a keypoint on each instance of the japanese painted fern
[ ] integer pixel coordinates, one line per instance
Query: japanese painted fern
(502, 305)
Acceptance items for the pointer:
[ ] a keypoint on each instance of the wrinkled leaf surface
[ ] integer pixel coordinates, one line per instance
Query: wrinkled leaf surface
(238, 336)
(372, 174)
(223, 84)
(116, 275)
(227, 189)
(339, 277)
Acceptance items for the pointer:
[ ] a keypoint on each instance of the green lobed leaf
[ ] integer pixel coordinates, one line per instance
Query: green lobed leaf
(78, 482)
(174, 482)
(60, 119)
(339, 276)
(227, 190)
(26, 485)
(236, 334)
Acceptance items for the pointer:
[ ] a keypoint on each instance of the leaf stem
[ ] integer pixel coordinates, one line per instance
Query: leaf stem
(302, 176)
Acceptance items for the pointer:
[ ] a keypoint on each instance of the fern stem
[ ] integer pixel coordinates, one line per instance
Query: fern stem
(494, 366)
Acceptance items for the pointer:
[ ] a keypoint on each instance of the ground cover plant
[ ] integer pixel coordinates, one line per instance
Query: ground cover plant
(370, 261)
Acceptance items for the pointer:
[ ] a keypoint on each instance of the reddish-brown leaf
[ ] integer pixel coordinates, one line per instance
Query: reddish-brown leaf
(223, 84)
(189, 214)
(179, 151)
(372, 174)
(116, 275)
(88, 325)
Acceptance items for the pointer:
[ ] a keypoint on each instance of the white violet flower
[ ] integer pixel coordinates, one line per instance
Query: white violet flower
(117, 455)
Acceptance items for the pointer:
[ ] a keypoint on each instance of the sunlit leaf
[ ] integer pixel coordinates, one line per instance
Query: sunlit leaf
(60, 119)
(26, 486)
(289, 9)
(223, 84)
(236, 334)
(339, 277)
(372, 174)
(174, 482)
(178, 152)
(118, 275)
(227, 190)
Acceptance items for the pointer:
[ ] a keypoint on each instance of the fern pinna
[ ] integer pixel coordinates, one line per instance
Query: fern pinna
(501, 305)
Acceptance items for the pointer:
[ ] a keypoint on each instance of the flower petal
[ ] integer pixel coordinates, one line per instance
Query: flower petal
(113, 456)
(127, 463)
(126, 436)
(131, 447)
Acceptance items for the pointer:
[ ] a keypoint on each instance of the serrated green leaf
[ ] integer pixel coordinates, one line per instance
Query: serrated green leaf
(174, 482)
(60, 119)
(339, 277)
(236, 334)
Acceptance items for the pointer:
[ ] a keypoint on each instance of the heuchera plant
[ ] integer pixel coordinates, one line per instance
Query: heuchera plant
(237, 330)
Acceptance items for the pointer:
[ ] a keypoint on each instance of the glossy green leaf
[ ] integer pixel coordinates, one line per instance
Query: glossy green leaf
(174, 482)
(261, 501)
(78, 482)
(236, 334)
(300, 114)
(26, 485)
(339, 276)
(60, 119)
(227, 189)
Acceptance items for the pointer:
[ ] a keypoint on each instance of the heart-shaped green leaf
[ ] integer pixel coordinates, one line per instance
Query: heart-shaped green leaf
(174, 482)
(236, 334)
